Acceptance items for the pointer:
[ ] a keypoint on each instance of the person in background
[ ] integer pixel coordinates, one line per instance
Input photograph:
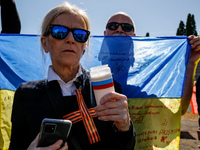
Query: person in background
(197, 83)
(65, 36)
(198, 97)
(10, 20)
(122, 24)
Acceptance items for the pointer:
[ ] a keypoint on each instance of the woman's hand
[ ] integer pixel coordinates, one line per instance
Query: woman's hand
(114, 107)
(55, 146)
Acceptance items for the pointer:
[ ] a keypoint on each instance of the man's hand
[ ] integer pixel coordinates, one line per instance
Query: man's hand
(195, 50)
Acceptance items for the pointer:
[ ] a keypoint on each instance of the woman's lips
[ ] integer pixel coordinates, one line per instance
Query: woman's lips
(68, 50)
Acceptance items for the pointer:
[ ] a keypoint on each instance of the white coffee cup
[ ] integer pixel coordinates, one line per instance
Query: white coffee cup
(102, 81)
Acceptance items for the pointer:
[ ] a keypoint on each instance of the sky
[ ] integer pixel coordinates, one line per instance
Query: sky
(158, 17)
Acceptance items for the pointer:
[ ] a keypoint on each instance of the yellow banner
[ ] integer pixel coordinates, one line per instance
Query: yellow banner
(157, 122)
(6, 102)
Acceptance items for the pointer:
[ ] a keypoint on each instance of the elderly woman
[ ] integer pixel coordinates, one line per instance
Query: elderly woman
(65, 32)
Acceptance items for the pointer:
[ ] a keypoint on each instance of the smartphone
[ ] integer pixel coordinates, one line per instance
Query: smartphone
(53, 130)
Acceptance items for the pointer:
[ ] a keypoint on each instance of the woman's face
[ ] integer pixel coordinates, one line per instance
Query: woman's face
(65, 52)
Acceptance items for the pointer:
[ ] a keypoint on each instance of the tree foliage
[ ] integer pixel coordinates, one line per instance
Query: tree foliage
(191, 25)
(189, 29)
(181, 28)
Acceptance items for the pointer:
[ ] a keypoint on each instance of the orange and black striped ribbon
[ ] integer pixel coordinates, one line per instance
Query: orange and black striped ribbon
(86, 115)
(75, 116)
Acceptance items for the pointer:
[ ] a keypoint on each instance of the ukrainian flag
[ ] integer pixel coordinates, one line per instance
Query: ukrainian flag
(151, 72)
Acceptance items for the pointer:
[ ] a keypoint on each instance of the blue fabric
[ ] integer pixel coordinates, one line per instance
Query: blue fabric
(145, 67)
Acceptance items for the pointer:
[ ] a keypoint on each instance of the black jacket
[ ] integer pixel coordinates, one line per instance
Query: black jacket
(34, 101)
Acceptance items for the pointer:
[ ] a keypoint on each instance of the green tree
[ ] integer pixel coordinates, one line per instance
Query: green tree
(190, 25)
(181, 28)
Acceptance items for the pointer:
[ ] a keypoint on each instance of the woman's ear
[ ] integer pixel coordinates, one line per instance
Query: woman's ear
(44, 42)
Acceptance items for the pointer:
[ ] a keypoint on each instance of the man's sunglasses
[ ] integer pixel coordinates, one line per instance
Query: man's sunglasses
(61, 32)
(125, 26)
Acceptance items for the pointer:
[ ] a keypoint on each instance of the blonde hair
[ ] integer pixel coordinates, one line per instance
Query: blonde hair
(64, 8)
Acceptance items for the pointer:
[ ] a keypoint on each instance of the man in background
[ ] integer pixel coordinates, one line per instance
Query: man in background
(121, 24)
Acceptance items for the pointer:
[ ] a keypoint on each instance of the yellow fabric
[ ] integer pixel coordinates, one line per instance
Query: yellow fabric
(6, 102)
(157, 122)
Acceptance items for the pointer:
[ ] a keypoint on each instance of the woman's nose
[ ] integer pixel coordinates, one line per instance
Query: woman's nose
(70, 38)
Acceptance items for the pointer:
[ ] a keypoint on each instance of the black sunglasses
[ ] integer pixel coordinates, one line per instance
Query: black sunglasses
(125, 26)
(61, 32)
